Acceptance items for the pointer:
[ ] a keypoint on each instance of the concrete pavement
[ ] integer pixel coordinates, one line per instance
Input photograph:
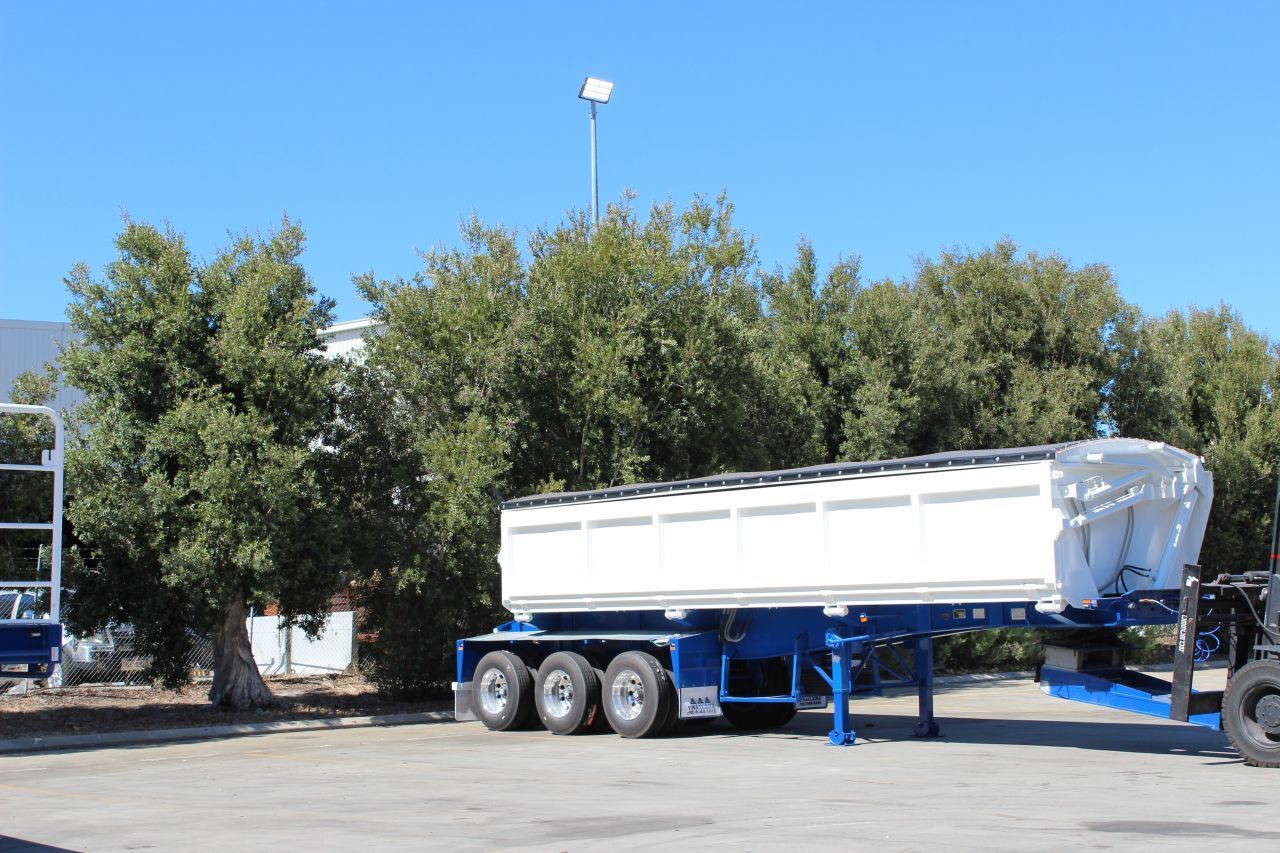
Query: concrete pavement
(1015, 770)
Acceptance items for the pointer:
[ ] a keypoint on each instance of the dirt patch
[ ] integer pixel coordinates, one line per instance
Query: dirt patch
(93, 710)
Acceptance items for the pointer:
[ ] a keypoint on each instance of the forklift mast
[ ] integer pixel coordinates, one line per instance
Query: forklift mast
(1272, 618)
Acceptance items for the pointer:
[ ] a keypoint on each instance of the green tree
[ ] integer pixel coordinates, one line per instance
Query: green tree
(423, 437)
(196, 486)
(807, 345)
(617, 353)
(979, 349)
(636, 350)
(986, 349)
(1204, 381)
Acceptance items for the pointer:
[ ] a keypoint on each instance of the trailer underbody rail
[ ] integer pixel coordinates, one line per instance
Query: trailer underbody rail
(729, 662)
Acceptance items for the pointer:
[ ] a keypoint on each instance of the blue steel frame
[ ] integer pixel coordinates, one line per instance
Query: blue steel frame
(1125, 690)
(863, 647)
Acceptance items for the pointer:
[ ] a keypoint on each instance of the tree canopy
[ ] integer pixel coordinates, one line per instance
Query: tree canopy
(195, 483)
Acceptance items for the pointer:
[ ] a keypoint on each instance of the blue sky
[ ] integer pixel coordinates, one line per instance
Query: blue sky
(1143, 135)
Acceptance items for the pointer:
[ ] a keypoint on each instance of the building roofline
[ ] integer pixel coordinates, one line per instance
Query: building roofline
(54, 325)
(349, 326)
(41, 325)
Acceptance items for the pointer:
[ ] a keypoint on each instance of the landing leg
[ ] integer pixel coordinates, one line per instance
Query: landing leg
(927, 726)
(842, 733)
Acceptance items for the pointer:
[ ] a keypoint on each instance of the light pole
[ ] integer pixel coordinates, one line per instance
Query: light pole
(594, 92)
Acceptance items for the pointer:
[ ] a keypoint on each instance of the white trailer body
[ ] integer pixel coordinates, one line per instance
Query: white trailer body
(1057, 525)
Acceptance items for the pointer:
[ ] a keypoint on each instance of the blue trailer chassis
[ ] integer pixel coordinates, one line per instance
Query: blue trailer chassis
(805, 657)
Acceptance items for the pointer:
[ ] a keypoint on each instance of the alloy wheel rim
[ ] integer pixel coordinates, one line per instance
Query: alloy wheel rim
(493, 691)
(626, 695)
(557, 693)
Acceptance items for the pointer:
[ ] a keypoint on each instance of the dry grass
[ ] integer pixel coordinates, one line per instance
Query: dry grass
(91, 710)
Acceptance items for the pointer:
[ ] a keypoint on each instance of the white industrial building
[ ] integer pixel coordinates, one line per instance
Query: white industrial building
(347, 338)
(30, 344)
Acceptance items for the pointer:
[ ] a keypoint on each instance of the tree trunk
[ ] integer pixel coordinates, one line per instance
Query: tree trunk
(236, 681)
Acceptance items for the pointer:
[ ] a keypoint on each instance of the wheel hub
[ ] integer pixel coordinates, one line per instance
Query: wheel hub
(557, 693)
(626, 694)
(493, 691)
(1267, 713)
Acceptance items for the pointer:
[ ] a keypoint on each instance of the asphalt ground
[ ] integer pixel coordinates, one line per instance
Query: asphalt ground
(1015, 770)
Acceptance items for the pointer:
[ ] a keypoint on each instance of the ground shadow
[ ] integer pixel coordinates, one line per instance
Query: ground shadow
(1132, 737)
(18, 845)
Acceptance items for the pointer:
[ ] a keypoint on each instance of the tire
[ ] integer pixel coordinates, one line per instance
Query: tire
(758, 715)
(502, 691)
(1251, 713)
(636, 695)
(567, 693)
(600, 725)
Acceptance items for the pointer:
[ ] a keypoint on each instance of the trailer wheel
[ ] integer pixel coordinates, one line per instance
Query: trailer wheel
(1251, 713)
(568, 693)
(502, 691)
(637, 695)
(758, 715)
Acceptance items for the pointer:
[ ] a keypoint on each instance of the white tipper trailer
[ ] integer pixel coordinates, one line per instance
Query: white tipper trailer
(749, 595)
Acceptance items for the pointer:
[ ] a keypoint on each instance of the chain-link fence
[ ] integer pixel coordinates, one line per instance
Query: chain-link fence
(112, 656)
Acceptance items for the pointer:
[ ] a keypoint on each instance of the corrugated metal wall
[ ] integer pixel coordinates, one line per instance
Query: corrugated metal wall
(28, 345)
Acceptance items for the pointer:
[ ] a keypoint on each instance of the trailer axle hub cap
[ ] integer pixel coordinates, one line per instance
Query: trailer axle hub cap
(1268, 714)
(557, 693)
(627, 695)
(493, 691)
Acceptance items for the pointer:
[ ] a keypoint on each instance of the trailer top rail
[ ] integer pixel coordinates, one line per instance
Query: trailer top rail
(833, 470)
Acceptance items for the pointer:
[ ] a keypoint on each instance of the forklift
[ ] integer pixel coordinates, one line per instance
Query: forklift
(1241, 611)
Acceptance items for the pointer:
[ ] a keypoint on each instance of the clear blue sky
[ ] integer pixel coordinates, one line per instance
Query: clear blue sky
(1145, 135)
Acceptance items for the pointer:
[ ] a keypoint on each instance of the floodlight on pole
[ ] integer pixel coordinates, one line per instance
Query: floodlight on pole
(595, 91)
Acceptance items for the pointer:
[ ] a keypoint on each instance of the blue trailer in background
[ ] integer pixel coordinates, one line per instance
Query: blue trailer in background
(650, 672)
